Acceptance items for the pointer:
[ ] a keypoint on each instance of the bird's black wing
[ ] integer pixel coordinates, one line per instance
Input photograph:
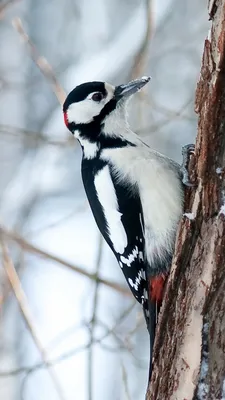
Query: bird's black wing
(117, 210)
(136, 273)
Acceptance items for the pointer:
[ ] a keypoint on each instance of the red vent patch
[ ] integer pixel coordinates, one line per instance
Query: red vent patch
(156, 288)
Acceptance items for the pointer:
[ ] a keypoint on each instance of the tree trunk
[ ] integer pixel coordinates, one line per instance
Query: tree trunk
(189, 352)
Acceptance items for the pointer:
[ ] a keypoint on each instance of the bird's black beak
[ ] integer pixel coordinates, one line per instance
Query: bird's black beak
(131, 87)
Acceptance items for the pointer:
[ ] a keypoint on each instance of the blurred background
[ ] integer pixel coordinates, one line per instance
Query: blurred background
(76, 332)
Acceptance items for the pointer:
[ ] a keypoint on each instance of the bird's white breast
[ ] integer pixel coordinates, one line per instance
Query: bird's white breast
(159, 190)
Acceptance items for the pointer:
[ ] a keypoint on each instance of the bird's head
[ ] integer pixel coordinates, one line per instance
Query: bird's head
(96, 106)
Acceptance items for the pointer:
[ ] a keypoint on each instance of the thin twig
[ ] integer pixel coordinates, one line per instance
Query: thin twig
(72, 352)
(37, 137)
(165, 110)
(36, 367)
(40, 61)
(6, 287)
(26, 312)
(141, 57)
(4, 6)
(35, 250)
(79, 209)
(140, 63)
(125, 381)
(93, 320)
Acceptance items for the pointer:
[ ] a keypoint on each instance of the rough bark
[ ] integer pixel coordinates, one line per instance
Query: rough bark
(189, 353)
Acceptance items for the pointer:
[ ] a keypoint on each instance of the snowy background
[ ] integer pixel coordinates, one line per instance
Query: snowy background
(92, 333)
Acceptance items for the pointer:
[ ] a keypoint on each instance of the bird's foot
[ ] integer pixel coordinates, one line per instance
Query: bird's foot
(187, 151)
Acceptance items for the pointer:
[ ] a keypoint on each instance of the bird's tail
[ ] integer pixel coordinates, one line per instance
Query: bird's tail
(151, 319)
(151, 309)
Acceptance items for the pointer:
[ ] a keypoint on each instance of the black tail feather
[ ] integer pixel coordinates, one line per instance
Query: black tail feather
(151, 320)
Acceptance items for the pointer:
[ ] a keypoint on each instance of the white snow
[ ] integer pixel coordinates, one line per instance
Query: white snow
(203, 387)
(146, 78)
(209, 36)
(190, 216)
(222, 208)
(219, 170)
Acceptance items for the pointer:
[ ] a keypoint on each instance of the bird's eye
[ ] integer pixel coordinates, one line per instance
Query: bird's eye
(97, 96)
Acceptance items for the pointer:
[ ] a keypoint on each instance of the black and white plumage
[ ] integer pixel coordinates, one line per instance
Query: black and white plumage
(135, 193)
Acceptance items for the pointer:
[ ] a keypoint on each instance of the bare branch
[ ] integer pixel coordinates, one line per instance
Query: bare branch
(125, 381)
(5, 6)
(26, 312)
(73, 352)
(141, 58)
(33, 249)
(40, 61)
(93, 320)
(42, 365)
(36, 137)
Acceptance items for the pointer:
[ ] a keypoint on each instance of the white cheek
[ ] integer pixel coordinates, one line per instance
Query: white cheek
(83, 111)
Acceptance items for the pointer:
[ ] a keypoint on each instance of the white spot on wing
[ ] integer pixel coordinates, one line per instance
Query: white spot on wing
(128, 260)
(143, 274)
(135, 284)
(108, 199)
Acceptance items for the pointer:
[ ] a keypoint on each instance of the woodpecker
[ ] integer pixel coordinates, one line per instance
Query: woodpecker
(135, 193)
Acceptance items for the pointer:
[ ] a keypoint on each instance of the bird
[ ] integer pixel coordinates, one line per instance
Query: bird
(136, 194)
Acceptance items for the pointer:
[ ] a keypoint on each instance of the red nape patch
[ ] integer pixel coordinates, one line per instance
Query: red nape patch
(156, 288)
(66, 118)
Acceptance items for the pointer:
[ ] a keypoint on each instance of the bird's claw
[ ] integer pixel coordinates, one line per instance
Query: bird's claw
(187, 151)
